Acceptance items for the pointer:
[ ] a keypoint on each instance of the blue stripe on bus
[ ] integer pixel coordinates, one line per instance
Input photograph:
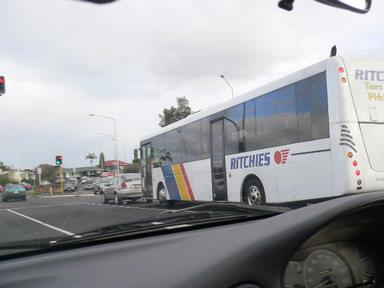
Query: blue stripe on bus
(170, 182)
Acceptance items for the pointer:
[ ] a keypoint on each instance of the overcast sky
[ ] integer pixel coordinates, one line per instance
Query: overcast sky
(64, 59)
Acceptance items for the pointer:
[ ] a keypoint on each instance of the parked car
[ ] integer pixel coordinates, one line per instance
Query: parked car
(100, 184)
(1, 188)
(27, 186)
(70, 186)
(122, 188)
(14, 192)
(45, 183)
(89, 185)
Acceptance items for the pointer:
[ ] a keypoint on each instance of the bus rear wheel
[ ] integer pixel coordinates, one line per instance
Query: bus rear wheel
(253, 193)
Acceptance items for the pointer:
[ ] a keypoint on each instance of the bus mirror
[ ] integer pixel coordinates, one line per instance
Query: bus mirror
(358, 6)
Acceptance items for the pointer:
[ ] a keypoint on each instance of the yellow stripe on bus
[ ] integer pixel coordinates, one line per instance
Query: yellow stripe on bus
(183, 190)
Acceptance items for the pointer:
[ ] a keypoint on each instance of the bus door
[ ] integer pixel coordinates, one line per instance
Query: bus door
(218, 161)
(146, 169)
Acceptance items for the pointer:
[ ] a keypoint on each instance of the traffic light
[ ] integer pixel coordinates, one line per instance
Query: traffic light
(59, 160)
(2, 85)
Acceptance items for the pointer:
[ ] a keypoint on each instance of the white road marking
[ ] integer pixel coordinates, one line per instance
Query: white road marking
(42, 223)
(66, 195)
(43, 206)
(126, 207)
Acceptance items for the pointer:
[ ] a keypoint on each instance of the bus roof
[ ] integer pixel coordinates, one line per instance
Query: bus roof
(294, 77)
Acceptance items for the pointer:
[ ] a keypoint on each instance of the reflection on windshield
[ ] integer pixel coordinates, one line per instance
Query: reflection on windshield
(127, 111)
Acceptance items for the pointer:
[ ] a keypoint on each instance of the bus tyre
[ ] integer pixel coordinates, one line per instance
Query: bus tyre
(253, 193)
(162, 195)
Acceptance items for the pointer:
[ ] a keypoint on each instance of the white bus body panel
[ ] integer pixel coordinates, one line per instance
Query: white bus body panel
(198, 175)
(359, 100)
(305, 173)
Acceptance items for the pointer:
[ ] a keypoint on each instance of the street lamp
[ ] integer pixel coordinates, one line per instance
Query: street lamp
(115, 137)
(229, 84)
(120, 140)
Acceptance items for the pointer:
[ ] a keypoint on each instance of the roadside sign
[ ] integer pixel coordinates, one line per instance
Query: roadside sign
(39, 170)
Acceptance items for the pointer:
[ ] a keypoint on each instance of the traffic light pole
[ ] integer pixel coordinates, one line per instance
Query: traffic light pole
(61, 180)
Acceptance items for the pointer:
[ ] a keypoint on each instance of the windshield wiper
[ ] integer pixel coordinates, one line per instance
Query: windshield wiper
(226, 207)
(201, 214)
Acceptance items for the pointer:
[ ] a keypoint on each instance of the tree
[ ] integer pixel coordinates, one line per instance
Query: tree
(48, 172)
(173, 114)
(134, 167)
(3, 167)
(4, 179)
(91, 157)
(102, 161)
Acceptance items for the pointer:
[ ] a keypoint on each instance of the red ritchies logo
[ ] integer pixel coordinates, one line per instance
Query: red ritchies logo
(281, 156)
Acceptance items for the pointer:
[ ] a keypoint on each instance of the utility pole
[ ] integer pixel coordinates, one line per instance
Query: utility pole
(61, 180)
(114, 136)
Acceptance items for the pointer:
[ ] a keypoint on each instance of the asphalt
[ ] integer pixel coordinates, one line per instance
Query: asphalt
(61, 215)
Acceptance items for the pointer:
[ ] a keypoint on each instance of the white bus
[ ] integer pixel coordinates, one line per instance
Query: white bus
(317, 133)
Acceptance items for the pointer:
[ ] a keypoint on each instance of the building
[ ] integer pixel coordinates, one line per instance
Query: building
(110, 165)
(17, 176)
(89, 171)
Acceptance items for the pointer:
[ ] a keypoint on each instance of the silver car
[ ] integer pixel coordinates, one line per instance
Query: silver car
(121, 188)
(100, 185)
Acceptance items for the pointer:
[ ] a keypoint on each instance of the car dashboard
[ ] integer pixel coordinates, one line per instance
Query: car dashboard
(346, 253)
(337, 243)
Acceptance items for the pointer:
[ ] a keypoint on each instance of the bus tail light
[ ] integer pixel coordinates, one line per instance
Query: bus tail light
(359, 182)
(341, 69)
(357, 172)
(349, 154)
(354, 163)
(344, 80)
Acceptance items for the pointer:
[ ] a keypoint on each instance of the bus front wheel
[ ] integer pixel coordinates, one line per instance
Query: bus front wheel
(253, 193)
(161, 195)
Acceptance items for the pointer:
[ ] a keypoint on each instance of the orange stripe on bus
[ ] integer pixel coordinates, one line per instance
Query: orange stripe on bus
(186, 180)
(183, 190)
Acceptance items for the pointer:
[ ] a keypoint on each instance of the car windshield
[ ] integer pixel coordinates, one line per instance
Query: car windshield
(14, 187)
(118, 113)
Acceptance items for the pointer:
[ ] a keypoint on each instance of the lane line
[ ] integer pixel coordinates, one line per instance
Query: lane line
(42, 206)
(67, 195)
(127, 207)
(42, 223)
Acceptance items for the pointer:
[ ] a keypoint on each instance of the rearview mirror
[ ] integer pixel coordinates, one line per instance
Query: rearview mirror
(358, 6)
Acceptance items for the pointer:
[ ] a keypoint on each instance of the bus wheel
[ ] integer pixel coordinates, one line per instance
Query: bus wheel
(161, 194)
(253, 192)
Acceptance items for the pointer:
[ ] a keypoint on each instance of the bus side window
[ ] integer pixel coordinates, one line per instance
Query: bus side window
(233, 126)
(250, 125)
(205, 138)
(191, 136)
(319, 106)
(303, 105)
(174, 147)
